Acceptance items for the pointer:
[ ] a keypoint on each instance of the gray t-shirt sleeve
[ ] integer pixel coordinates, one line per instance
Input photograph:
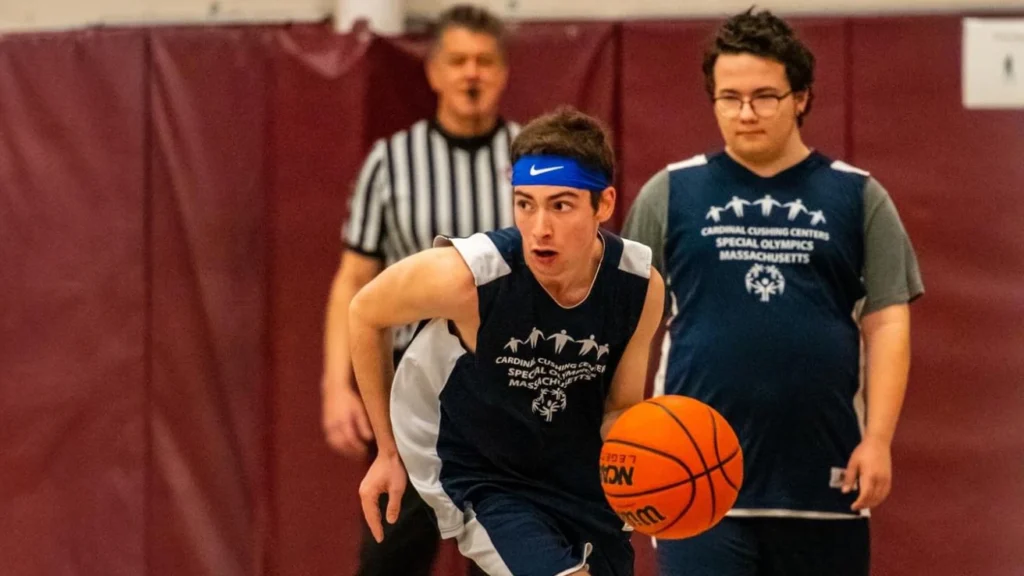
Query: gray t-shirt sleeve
(647, 220)
(891, 274)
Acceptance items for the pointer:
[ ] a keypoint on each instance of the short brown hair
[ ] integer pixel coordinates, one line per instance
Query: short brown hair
(472, 18)
(768, 36)
(570, 133)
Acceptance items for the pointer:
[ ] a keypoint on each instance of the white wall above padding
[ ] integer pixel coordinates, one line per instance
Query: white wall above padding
(60, 14)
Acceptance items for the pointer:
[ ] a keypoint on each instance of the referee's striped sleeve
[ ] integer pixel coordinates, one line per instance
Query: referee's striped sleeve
(364, 230)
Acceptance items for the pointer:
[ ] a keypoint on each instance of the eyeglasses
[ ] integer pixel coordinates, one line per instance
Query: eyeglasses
(763, 105)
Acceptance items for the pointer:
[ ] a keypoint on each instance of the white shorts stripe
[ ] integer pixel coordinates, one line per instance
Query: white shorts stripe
(416, 416)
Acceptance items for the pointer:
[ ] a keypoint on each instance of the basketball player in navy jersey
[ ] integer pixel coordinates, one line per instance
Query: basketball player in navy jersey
(780, 262)
(537, 338)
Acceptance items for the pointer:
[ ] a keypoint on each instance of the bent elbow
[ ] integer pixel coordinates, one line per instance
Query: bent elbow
(360, 310)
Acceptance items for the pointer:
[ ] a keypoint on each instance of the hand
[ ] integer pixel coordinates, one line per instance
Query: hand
(345, 424)
(870, 466)
(386, 476)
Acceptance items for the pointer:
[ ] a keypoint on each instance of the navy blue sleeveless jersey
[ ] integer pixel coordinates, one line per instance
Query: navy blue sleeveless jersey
(522, 414)
(766, 274)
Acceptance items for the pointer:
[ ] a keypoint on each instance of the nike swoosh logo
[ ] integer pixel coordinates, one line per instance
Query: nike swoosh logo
(535, 172)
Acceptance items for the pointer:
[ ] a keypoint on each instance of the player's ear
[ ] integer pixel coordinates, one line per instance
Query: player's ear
(800, 98)
(606, 204)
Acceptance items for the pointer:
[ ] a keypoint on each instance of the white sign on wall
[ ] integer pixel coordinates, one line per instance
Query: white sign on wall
(993, 63)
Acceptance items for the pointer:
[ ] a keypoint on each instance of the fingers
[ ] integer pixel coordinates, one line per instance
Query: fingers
(884, 487)
(346, 436)
(345, 443)
(370, 500)
(851, 476)
(368, 497)
(874, 488)
(394, 503)
(860, 502)
(353, 437)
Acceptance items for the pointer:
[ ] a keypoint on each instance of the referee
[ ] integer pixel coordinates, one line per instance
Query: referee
(444, 175)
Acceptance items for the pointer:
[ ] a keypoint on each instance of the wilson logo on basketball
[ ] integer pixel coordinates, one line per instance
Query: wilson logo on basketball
(646, 516)
(617, 475)
(671, 467)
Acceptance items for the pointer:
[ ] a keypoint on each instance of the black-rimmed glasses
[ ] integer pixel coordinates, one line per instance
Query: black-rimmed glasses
(763, 105)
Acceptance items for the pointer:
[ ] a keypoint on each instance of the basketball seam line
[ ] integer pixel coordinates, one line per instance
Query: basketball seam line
(718, 455)
(700, 454)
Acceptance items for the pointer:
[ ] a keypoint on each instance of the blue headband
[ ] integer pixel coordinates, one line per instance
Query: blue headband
(557, 171)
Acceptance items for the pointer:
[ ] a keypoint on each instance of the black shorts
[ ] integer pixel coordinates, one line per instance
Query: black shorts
(771, 547)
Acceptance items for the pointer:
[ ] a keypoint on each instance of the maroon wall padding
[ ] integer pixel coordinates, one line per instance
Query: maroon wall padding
(569, 63)
(332, 97)
(207, 493)
(170, 206)
(318, 138)
(72, 304)
(956, 176)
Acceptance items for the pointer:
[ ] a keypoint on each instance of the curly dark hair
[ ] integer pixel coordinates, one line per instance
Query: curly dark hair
(570, 133)
(768, 36)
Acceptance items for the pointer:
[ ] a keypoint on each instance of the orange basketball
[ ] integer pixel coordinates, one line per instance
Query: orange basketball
(671, 467)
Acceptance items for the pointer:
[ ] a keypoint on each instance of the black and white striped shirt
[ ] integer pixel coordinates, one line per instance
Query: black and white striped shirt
(422, 182)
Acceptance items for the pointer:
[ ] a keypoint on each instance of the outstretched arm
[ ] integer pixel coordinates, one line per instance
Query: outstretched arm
(435, 283)
(631, 375)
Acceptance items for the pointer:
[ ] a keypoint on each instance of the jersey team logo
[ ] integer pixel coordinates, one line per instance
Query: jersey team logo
(765, 281)
(551, 400)
(559, 340)
(765, 205)
(579, 360)
(770, 244)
